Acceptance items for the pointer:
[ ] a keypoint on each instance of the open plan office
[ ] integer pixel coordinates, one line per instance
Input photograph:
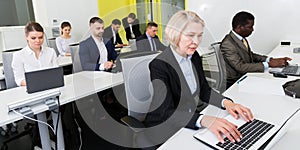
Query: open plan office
(101, 89)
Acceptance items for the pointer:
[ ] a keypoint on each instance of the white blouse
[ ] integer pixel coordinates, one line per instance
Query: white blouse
(25, 61)
(62, 45)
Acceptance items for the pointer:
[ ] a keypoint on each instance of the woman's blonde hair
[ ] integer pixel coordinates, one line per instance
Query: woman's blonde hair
(178, 23)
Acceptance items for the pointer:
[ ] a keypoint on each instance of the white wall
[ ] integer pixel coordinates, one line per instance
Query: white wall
(77, 12)
(275, 20)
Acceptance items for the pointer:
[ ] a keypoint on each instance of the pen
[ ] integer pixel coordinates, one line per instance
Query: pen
(240, 80)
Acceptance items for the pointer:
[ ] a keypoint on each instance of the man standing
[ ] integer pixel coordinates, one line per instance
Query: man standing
(149, 41)
(97, 53)
(111, 32)
(131, 26)
(237, 54)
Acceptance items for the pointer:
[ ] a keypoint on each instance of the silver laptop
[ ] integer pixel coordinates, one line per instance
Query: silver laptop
(257, 134)
(44, 79)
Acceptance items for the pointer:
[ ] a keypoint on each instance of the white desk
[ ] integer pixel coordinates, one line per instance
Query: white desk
(272, 107)
(64, 60)
(77, 86)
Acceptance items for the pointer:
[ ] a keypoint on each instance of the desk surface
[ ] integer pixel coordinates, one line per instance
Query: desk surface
(77, 86)
(272, 107)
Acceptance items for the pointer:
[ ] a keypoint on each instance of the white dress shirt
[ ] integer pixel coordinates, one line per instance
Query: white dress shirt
(25, 61)
(102, 51)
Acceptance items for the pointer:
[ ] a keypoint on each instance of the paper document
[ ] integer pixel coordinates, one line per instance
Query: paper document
(258, 85)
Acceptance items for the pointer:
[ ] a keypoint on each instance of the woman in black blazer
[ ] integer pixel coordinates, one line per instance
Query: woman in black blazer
(181, 91)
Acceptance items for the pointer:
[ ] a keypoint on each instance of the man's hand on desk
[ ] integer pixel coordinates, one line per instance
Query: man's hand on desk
(108, 65)
(279, 62)
(220, 126)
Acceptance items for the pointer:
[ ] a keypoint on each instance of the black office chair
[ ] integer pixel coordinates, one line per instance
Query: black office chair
(7, 57)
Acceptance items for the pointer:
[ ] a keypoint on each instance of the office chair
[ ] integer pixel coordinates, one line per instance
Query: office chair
(221, 80)
(75, 58)
(52, 43)
(10, 83)
(138, 88)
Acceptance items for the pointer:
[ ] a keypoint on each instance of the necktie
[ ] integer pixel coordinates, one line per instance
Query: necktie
(131, 32)
(153, 45)
(245, 43)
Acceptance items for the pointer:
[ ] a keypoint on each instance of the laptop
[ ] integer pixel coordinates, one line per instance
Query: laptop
(292, 70)
(44, 79)
(257, 134)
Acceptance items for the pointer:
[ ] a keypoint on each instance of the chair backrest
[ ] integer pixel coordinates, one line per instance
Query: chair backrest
(75, 57)
(52, 44)
(7, 57)
(221, 81)
(138, 87)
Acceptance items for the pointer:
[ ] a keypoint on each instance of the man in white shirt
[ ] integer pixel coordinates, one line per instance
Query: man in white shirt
(97, 53)
(149, 41)
(111, 32)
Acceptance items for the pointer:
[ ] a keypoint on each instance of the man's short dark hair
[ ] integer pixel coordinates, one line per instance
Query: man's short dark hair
(96, 19)
(151, 24)
(132, 16)
(241, 18)
(116, 22)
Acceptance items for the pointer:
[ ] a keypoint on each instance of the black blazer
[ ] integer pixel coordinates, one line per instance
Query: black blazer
(135, 28)
(142, 43)
(171, 92)
(109, 34)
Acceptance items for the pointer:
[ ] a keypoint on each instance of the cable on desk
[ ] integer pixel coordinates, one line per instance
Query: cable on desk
(34, 120)
(57, 121)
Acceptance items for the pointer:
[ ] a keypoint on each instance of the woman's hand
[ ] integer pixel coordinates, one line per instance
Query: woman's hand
(220, 126)
(236, 109)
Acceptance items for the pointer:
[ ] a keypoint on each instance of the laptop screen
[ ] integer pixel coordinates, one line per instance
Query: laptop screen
(44, 79)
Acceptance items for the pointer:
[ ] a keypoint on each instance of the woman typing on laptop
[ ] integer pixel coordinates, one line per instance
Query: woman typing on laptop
(34, 56)
(181, 91)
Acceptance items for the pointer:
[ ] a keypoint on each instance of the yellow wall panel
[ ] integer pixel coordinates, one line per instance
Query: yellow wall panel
(116, 9)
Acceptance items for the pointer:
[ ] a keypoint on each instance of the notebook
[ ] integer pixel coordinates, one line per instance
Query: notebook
(44, 79)
(292, 70)
(258, 134)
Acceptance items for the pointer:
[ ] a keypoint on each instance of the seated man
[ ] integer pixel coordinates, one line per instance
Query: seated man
(237, 53)
(132, 26)
(149, 41)
(97, 53)
(111, 32)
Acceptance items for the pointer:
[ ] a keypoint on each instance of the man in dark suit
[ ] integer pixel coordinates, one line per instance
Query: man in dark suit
(132, 26)
(111, 32)
(237, 54)
(97, 53)
(149, 41)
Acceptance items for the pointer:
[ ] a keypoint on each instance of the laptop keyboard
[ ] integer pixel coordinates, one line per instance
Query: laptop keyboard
(251, 132)
(291, 70)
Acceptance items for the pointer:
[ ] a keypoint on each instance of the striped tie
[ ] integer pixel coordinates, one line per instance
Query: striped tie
(245, 43)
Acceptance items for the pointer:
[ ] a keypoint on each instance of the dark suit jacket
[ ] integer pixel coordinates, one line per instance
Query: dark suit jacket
(142, 43)
(89, 54)
(109, 34)
(171, 92)
(135, 28)
(238, 59)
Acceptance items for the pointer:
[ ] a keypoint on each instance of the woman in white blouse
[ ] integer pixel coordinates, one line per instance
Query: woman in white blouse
(34, 56)
(64, 40)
